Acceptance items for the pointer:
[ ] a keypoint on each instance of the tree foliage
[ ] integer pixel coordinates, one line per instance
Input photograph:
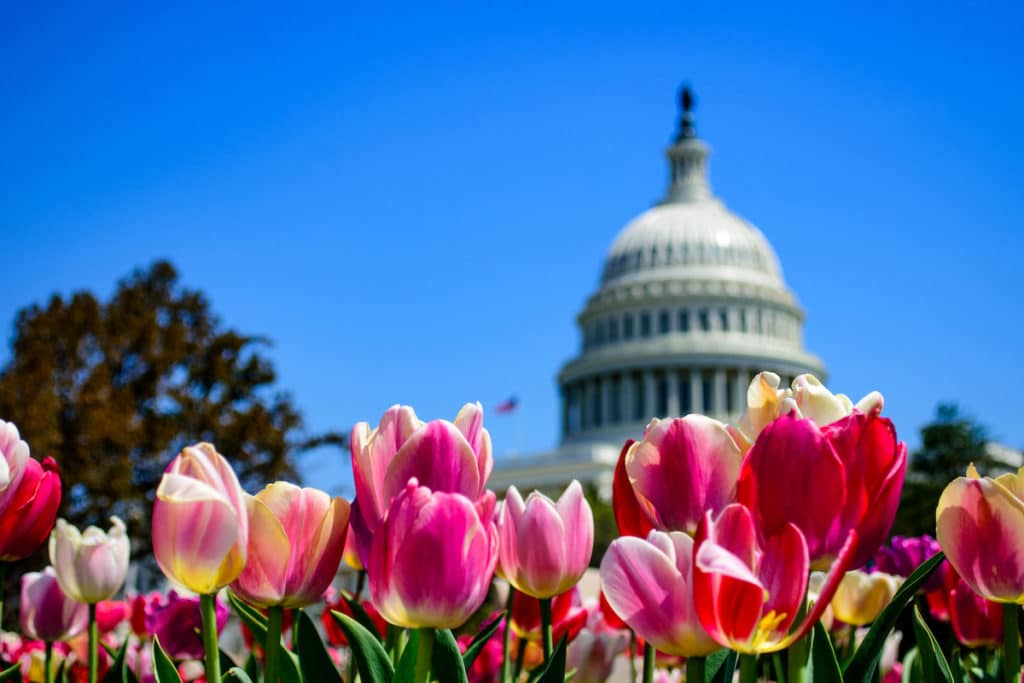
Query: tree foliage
(948, 445)
(113, 390)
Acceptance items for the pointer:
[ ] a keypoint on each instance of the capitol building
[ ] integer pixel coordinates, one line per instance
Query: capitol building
(691, 304)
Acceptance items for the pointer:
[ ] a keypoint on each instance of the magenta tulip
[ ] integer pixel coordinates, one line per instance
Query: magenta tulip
(544, 547)
(296, 539)
(432, 560)
(46, 612)
(444, 456)
(682, 468)
(649, 585)
(747, 593)
(175, 621)
(200, 522)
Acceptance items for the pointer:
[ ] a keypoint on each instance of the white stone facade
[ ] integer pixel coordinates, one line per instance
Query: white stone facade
(691, 305)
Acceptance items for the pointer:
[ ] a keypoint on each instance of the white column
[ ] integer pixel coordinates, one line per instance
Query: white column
(672, 385)
(742, 382)
(649, 395)
(696, 391)
(628, 393)
(595, 414)
(734, 319)
(719, 392)
(606, 400)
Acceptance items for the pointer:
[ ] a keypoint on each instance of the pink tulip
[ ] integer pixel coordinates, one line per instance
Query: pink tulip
(980, 526)
(748, 594)
(432, 560)
(296, 538)
(682, 468)
(977, 622)
(200, 522)
(828, 482)
(649, 584)
(544, 547)
(46, 612)
(14, 456)
(453, 458)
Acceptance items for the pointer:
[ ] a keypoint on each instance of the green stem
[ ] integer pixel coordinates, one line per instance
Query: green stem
(780, 670)
(506, 642)
(748, 668)
(632, 656)
(695, 668)
(208, 610)
(1011, 643)
(423, 656)
(272, 651)
(799, 655)
(545, 625)
(648, 663)
(48, 662)
(520, 660)
(360, 582)
(94, 646)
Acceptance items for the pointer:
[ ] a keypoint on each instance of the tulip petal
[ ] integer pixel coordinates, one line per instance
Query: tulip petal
(629, 516)
(792, 474)
(438, 457)
(262, 582)
(783, 571)
(578, 521)
(470, 422)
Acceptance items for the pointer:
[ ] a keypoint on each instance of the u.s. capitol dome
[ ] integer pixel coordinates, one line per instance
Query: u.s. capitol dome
(691, 305)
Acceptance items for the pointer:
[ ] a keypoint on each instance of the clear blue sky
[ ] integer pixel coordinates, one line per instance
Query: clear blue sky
(415, 202)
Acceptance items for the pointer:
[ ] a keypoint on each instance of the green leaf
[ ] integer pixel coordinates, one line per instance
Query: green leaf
(823, 657)
(719, 666)
(251, 617)
(446, 662)
(956, 666)
(257, 624)
(12, 674)
(479, 640)
(372, 661)
(119, 671)
(406, 668)
(315, 662)
(933, 662)
(236, 674)
(360, 615)
(861, 667)
(911, 667)
(554, 672)
(163, 667)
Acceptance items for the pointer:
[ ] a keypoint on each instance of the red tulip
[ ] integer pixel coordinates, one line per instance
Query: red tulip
(629, 516)
(748, 593)
(31, 511)
(977, 622)
(568, 616)
(829, 482)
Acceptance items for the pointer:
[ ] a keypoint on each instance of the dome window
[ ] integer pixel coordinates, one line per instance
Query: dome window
(723, 319)
(684, 320)
(664, 322)
(645, 324)
(627, 326)
(705, 320)
(613, 330)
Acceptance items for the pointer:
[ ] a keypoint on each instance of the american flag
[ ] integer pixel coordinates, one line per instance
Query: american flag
(507, 406)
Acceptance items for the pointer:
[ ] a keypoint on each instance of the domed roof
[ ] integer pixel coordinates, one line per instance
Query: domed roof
(691, 239)
(691, 234)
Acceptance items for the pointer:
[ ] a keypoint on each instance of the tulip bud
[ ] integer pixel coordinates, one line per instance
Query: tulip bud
(545, 547)
(46, 612)
(91, 567)
(200, 522)
(861, 597)
(296, 538)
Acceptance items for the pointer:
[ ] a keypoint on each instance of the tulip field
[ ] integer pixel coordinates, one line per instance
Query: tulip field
(758, 551)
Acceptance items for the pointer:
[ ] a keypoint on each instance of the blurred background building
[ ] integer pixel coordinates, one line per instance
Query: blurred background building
(691, 304)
